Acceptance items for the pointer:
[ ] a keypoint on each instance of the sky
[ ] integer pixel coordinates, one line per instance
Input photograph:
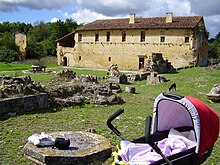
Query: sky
(85, 11)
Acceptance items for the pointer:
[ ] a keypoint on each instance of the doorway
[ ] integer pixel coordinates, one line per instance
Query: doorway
(64, 61)
(141, 63)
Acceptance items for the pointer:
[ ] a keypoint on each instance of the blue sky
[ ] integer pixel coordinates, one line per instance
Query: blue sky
(84, 11)
(29, 15)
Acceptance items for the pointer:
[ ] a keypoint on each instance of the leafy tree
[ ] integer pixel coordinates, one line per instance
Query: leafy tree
(39, 32)
(8, 51)
(214, 47)
(60, 29)
(36, 40)
(7, 39)
(41, 37)
(8, 55)
(71, 25)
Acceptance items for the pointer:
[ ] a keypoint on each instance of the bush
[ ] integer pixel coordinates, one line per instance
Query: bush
(7, 55)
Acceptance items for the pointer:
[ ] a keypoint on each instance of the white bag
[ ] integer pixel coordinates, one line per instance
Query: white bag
(42, 140)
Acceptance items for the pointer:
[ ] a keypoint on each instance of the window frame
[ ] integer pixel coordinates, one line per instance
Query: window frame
(79, 37)
(96, 36)
(186, 39)
(108, 36)
(162, 38)
(142, 36)
(123, 36)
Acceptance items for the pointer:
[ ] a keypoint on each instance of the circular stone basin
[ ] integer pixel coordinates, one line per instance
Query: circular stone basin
(85, 149)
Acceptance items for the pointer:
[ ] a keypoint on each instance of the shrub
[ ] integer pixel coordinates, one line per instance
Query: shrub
(7, 55)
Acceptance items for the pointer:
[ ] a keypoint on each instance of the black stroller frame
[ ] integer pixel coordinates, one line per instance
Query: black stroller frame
(187, 157)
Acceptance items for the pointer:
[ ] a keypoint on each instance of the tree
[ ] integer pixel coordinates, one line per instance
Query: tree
(8, 52)
(36, 40)
(7, 39)
(8, 55)
(41, 37)
(60, 29)
(214, 47)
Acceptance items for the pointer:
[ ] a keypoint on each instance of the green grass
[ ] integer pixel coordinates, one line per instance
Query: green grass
(14, 131)
(17, 70)
(13, 67)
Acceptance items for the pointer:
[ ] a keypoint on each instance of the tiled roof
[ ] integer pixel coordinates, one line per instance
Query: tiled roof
(188, 22)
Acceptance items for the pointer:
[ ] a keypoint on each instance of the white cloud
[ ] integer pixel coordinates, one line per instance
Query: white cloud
(99, 9)
(85, 16)
(85, 11)
(114, 7)
(213, 25)
(205, 8)
(54, 19)
(180, 8)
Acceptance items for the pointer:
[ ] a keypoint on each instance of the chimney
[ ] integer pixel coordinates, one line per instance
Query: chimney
(132, 17)
(169, 17)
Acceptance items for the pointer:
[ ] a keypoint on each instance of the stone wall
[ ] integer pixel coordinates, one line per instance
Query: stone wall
(23, 104)
(88, 53)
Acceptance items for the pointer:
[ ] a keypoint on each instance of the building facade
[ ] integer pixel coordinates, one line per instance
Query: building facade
(130, 42)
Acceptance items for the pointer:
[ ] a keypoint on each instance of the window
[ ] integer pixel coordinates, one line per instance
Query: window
(108, 36)
(109, 59)
(142, 36)
(162, 39)
(80, 37)
(123, 36)
(80, 58)
(96, 36)
(186, 39)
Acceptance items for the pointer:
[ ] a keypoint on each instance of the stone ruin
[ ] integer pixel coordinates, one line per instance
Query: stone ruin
(151, 74)
(66, 74)
(86, 79)
(83, 88)
(18, 86)
(155, 78)
(113, 70)
(66, 89)
(21, 43)
(214, 94)
(156, 63)
(130, 89)
(138, 76)
(114, 75)
(69, 94)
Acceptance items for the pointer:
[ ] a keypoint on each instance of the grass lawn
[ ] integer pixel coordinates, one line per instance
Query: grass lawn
(14, 131)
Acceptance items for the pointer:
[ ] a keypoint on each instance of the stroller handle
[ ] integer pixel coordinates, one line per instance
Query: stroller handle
(111, 118)
(151, 142)
(173, 96)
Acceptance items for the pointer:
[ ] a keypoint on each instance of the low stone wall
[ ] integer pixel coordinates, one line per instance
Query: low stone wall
(23, 104)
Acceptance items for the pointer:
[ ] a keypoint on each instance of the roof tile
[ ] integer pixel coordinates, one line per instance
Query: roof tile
(143, 23)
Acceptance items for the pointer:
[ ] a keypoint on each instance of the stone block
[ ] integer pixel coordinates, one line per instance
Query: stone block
(130, 89)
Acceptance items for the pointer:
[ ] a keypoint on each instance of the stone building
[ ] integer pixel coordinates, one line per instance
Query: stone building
(130, 42)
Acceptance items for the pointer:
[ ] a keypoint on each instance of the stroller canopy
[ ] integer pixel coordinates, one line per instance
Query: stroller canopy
(173, 111)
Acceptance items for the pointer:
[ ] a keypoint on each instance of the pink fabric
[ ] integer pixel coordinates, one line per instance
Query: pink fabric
(143, 154)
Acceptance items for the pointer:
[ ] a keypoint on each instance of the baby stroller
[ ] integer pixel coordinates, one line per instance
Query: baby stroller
(178, 117)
